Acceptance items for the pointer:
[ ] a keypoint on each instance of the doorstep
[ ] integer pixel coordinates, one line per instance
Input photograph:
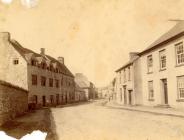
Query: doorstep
(147, 109)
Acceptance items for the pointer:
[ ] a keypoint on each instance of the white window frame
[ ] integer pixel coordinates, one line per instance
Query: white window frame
(124, 75)
(150, 91)
(162, 56)
(179, 53)
(150, 65)
(129, 74)
(180, 87)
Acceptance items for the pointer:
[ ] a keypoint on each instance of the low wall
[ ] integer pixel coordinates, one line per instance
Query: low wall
(13, 101)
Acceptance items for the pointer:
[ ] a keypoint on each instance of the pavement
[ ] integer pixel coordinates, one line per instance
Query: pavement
(147, 109)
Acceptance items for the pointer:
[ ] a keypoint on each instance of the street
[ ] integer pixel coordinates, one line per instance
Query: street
(96, 122)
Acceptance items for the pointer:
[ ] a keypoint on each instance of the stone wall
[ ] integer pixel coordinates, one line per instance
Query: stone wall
(13, 101)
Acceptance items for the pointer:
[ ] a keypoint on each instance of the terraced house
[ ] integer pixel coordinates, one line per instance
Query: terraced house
(48, 80)
(162, 66)
(157, 74)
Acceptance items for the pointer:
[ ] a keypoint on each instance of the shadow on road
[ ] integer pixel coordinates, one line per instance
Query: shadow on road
(38, 120)
(75, 104)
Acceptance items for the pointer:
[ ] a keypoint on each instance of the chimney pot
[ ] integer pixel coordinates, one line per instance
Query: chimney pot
(61, 59)
(42, 51)
(133, 55)
(5, 36)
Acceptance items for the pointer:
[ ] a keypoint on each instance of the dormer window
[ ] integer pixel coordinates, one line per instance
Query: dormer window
(16, 61)
(43, 65)
(33, 62)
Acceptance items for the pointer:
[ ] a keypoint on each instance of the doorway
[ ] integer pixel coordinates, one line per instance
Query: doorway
(121, 98)
(125, 97)
(164, 91)
(130, 97)
(57, 99)
(43, 100)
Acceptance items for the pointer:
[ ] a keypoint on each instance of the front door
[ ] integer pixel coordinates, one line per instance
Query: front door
(130, 97)
(57, 99)
(125, 97)
(43, 100)
(165, 93)
(121, 94)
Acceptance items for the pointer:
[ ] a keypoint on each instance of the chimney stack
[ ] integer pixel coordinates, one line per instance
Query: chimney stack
(133, 55)
(42, 51)
(61, 59)
(5, 36)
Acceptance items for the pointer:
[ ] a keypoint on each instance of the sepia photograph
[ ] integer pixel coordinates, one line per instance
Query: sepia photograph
(91, 70)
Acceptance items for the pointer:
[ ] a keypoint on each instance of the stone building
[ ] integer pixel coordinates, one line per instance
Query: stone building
(127, 86)
(86, 85)
(48, 80)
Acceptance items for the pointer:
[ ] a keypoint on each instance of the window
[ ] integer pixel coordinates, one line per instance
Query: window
(43, 81)
(61, 81)
(120, 77)
(150, 90)
(35, 99)
(129, 76)
(150, 63)
(34, 79)
(180, 83)
(162, 59)
(124, 75)
(16, 61)
(57, 83)
(50, 82)
(179, 53)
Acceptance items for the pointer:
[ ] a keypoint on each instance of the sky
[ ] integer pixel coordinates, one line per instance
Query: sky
(94, 36)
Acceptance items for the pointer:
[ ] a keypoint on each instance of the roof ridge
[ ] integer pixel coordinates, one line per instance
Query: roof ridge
(22, 50)
(171, 33)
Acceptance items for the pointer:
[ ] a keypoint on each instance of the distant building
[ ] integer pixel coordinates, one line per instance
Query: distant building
(103, 92)
(48, 80)
(79, 93)
(86, 85)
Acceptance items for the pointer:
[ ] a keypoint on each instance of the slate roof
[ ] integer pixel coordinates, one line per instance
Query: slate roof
(62, 66)
(82, 84)
(23, 51)
(173, 33)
